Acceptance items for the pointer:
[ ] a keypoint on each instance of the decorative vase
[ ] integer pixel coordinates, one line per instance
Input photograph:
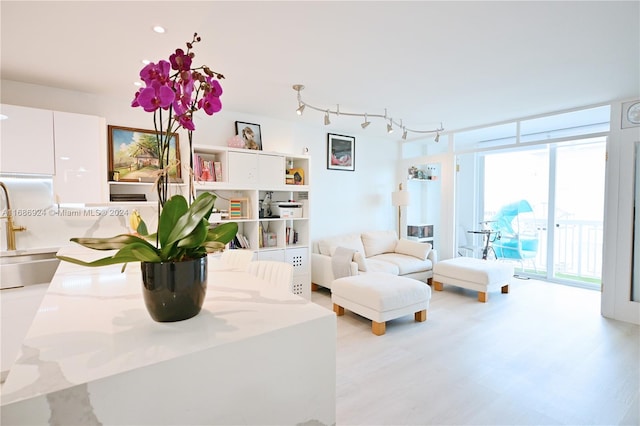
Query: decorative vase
(174, 291)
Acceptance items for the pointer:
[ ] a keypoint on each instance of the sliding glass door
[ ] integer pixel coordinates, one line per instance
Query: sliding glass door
(578, 212)
(564, 186)
(513, 182)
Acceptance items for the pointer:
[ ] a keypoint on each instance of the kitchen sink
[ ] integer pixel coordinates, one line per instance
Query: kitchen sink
(21, 268)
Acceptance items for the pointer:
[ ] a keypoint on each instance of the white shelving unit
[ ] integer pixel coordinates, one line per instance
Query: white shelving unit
(146, 188)
(246, 177)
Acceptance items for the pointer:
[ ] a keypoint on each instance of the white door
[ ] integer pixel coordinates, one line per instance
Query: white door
(619, 301)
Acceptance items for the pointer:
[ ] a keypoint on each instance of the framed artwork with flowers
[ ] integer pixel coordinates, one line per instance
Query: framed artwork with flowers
(133, 155)
(341, 152)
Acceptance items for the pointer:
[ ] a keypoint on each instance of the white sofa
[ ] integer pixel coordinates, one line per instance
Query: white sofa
(375, 251)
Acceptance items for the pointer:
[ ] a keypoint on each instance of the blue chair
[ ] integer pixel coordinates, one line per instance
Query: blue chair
(517, 236)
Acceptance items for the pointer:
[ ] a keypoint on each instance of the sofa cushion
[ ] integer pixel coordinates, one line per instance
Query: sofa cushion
(378, 242)
(328, 246)
(377, 265)
(413, 248)
(403, 264)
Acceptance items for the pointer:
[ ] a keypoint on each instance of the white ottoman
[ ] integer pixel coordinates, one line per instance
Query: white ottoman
(473, 274)
(380, 297)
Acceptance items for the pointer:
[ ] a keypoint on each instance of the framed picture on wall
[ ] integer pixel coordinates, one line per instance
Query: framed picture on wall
(133, 155)
(250, 134)
(341, 152)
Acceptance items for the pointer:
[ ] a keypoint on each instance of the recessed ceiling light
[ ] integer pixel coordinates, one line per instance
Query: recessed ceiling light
(137, 83)
(159, 29)
(146, 61)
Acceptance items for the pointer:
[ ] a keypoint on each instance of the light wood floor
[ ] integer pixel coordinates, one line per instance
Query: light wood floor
(540, 355)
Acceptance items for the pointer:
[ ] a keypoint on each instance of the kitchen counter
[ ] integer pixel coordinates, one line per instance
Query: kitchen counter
(93, 355)
(29, 251)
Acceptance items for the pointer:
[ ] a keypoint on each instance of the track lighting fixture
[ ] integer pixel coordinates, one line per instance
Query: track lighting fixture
(366, 122)
(405, 130)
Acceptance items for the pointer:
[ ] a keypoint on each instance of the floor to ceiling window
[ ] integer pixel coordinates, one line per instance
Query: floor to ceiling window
(551, 169)
(564, 185)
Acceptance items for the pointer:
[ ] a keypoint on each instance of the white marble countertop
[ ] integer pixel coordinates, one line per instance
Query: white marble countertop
(93, 324)
(29, 251)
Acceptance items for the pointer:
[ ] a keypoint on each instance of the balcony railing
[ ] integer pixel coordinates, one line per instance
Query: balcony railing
(577, 250)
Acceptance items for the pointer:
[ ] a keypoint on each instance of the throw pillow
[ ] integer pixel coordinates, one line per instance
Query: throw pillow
(378, 242)
(328, 246)
(413, 248)
(361, 261)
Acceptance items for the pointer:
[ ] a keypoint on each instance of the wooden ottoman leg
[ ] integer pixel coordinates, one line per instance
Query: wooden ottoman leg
(505, 289)
(339, 310)
(437, 285)
(378, 328)
(420, 316)
(482, 296)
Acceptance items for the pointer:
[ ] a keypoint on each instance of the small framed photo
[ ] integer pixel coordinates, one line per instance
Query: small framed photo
(250, 134)
(341, 152)
(133, 155)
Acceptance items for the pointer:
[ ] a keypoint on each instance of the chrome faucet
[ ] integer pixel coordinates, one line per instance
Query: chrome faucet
(11, 228)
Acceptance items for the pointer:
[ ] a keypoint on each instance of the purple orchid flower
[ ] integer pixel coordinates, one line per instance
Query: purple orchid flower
(156, 96)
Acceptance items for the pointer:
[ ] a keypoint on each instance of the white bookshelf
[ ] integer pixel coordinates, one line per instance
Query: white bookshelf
(249, 176)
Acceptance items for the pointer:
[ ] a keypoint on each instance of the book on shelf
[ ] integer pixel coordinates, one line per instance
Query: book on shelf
(217, 169)
(203, 169)
(128, 197)
(291, 235)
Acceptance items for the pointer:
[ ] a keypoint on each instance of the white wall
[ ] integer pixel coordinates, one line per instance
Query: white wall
(618, 222)
(341, 201)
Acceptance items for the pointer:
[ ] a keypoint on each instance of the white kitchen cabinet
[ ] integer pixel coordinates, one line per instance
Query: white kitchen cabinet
(26, 142)
(80, 159)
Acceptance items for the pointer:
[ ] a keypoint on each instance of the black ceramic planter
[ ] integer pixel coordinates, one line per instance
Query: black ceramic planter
(174, 291)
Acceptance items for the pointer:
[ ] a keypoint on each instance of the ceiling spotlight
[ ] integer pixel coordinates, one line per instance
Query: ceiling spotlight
(390, 127)
(300, 109)
(159, 29)
(366, 122)
(404, 133)
(326, 118)
(437, 138)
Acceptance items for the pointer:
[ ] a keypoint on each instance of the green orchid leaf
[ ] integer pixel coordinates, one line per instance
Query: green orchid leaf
(183, 233)
(100, 262)
(111, 243)
(197, 237)
(187, 222)
(223, 232)
(142, 252)
(134, 252)
(174, 209)
(213, 246)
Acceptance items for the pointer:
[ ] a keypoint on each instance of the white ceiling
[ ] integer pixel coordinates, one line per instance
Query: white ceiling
(459, 63)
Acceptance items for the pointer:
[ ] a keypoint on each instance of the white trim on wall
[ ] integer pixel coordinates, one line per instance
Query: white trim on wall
(616, 300)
